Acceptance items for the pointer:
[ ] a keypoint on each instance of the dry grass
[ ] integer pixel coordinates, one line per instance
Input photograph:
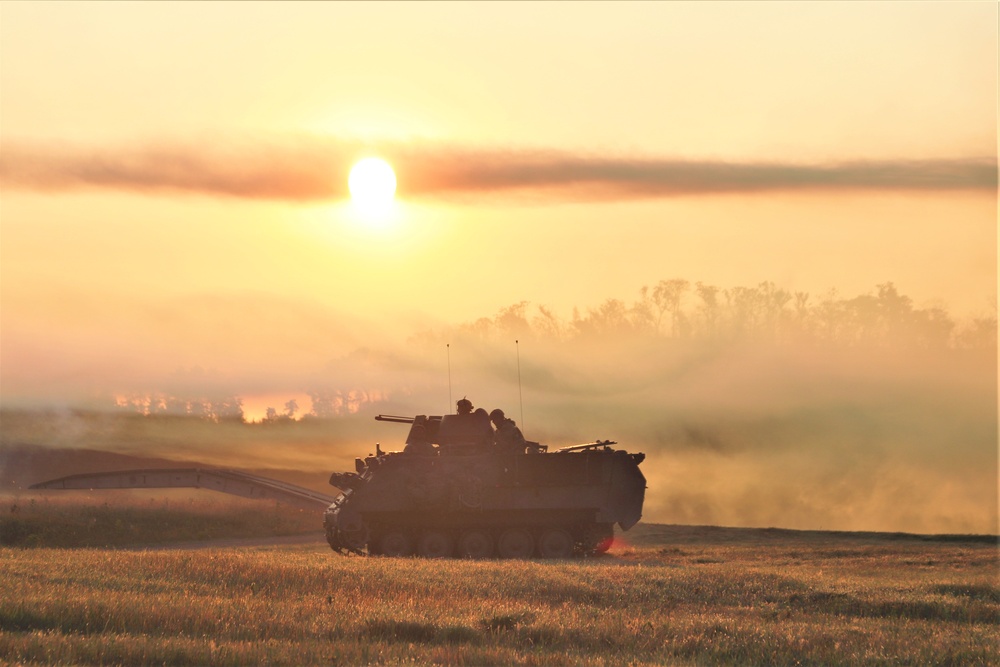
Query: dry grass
(752, 598)
(124, 518)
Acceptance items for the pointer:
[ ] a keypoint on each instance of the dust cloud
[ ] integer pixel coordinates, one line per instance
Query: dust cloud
(787, 434)
(756, 407)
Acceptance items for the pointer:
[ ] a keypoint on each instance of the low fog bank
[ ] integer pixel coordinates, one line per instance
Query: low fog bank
(755, 407)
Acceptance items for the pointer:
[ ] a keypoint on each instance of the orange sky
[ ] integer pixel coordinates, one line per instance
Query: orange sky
(149, 150)
(174, 218)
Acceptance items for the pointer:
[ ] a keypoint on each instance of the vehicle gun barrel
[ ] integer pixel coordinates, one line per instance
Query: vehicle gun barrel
(591, 445)
(394, 418)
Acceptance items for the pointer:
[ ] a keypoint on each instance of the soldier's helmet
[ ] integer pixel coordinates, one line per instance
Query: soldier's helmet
(496, 415)
(464, 406)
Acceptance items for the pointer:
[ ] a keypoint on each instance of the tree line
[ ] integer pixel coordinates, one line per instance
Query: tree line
(671, 310)
(678, 309)
(326, 403)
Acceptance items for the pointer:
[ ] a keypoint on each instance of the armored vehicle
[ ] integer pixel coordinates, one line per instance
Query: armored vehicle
(453, 492)
(457, 489)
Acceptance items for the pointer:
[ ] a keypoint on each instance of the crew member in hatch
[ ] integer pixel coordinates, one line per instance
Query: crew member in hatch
(508, 438)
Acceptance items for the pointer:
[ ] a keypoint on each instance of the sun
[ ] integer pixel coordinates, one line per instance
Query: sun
(373, 185)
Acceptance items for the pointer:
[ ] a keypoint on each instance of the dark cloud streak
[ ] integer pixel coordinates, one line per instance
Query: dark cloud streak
(622, 178)
(290, 172)
(316, 170)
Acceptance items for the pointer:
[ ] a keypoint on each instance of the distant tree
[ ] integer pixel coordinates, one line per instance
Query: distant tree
(980, 334)
(272, 416)
(157, 404)
(644, 315)
(177, 406)
(932, 328)
(829, 314)
(546, 324)
(772, 303)
(743, 309)
(481, 329)
(226, 409)
(861, 320)
(324, 403)
(802, 319)
(667, 295)
(511, 322)
(709, 295)
(895, 312)
(611, 318)
(136, 403)
(200, 408)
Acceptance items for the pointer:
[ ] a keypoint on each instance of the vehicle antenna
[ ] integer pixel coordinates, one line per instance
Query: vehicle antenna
(449, 377)
(520, 398)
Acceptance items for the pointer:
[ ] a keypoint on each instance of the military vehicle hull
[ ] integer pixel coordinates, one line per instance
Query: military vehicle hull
(482, 504)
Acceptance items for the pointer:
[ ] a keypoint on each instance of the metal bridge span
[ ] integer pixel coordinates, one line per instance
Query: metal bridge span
(223, 480)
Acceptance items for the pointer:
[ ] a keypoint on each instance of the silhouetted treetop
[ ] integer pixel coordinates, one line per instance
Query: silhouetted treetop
(672, 310)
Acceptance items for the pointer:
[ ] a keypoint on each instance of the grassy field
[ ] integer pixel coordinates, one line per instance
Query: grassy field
(673, 595)
(80, 519)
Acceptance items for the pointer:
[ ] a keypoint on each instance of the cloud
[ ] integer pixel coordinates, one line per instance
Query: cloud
(623, 178)
(288, 171)
(315, 169)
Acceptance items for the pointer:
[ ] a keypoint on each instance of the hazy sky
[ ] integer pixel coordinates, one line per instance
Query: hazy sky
(174, 174)
(175, 218)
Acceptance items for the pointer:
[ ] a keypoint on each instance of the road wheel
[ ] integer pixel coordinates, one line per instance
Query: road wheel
(395, 543)
(434, 544)
(515, 543)
(475, 544)
(555, 543)
(354, 540)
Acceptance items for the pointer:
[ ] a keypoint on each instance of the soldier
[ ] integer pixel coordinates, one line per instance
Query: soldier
(464, 406)
(418, 442)
(508, 438)
(486, 440)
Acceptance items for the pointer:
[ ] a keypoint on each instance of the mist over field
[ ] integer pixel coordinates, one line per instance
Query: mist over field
(755, 406)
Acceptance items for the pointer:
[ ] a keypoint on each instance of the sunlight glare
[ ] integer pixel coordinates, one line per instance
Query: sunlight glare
(372, 184)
